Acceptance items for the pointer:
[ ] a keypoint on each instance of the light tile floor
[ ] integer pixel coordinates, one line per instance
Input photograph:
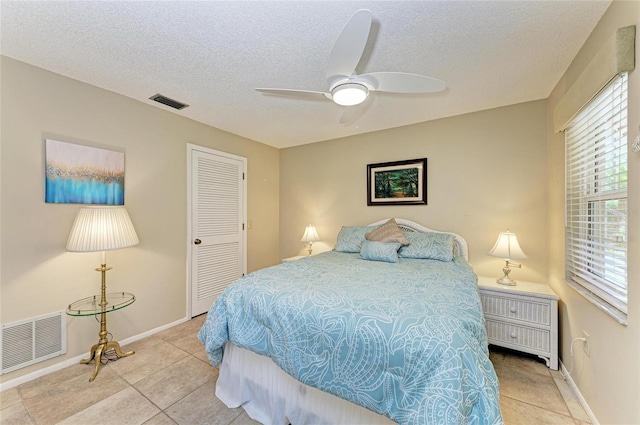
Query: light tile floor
(170, 381)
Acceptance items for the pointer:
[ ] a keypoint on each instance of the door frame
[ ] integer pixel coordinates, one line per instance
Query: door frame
(190, 149)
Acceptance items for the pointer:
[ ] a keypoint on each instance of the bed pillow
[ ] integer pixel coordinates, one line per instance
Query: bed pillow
(350, 238)
(380, 251)
(387, 232)
(433, 245)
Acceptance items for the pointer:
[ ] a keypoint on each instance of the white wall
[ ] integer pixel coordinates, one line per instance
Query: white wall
(486, 173)
(610, 378)
(37, 275)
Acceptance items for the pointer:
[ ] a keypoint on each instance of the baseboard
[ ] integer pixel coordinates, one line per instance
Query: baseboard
(576, 391)
(66, 363)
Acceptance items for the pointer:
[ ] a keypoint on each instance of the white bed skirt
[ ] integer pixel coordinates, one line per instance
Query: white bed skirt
(271, 396)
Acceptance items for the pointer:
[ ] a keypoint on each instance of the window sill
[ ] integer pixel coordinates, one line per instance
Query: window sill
(614, 313)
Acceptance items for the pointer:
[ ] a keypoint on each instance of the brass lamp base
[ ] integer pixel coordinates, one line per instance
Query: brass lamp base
(103, 344)
(98, 350)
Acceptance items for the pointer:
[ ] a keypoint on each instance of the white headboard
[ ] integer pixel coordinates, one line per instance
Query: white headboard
(459, 243)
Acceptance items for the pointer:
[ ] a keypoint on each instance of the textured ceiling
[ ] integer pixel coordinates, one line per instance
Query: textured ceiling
(212, 54)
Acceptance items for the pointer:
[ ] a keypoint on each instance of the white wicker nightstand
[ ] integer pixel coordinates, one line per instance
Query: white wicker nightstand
(522, 317)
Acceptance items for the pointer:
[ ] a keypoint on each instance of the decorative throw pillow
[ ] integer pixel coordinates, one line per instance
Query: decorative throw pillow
(432, 245)
(350, 238)
(388, 232)
(380, 251)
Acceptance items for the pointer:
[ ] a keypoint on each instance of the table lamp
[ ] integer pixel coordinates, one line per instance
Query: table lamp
(508, 249)
(311, 236)
(102, 228)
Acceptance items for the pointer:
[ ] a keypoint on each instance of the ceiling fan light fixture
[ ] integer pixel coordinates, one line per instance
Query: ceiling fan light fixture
(349, 94)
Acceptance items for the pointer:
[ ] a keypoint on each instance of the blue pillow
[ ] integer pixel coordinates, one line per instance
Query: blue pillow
(380, 251)
(350, 238)
(432, 245)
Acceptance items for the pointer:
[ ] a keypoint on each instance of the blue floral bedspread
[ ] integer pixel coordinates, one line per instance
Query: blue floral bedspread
(406, 340)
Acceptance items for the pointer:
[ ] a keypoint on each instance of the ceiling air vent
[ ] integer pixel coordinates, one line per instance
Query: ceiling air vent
(169, 102)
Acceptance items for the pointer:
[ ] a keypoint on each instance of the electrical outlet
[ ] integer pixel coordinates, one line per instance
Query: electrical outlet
(585, 345)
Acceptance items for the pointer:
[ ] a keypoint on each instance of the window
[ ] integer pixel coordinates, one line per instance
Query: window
(596, 200)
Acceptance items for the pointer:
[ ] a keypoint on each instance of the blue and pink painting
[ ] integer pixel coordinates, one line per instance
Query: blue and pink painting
(77, 174)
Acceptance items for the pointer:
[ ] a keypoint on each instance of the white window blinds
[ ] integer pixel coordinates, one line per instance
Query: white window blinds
(596, 199)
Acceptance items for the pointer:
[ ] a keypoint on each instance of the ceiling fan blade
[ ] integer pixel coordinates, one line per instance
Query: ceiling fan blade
(401, 82)
(352, 114)
(350, 45)
(307, 94)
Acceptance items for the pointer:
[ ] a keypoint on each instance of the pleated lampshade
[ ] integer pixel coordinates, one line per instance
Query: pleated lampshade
(101, 228)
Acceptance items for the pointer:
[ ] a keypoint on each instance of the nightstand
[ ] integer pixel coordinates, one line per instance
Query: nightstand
(297, 257)
(522, 317)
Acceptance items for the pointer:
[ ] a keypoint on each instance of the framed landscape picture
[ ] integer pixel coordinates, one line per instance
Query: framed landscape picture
(397, 183)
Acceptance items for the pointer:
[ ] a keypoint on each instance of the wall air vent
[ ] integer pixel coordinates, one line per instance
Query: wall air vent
(33, 340)
(169, 102)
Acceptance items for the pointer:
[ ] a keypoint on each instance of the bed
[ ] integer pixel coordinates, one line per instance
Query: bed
(361, 334)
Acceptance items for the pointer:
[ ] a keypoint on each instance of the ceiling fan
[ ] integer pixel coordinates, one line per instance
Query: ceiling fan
(345, 87)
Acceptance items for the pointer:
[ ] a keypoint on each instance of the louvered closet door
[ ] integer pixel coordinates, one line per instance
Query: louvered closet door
(217, 209)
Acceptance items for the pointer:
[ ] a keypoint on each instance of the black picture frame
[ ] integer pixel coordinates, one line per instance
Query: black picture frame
(397, 183)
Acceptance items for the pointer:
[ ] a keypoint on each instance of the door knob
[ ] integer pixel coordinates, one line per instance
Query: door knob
(197, 241)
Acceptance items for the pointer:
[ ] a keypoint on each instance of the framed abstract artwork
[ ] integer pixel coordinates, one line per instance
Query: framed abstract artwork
(397, 183)
(78, 174)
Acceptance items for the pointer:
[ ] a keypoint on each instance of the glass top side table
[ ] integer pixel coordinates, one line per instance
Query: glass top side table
(90, 306)
(102, 304)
